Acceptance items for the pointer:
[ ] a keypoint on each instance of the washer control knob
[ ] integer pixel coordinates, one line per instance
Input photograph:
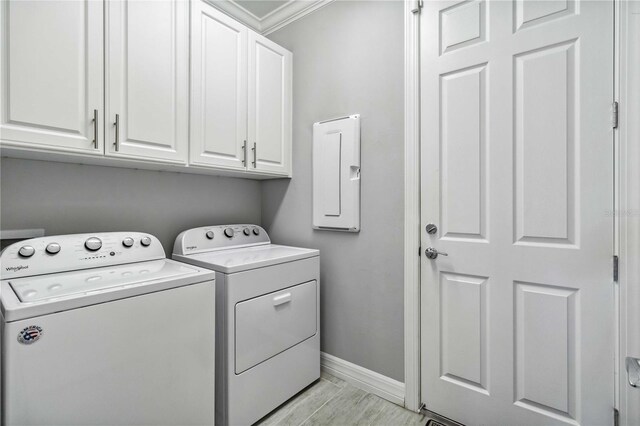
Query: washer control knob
(209, 235)
(228, 232)
(256, 231)
(128, 242)
(93, 244)
(145, 241)
(246, 232)
(26, 251)
(53, 248)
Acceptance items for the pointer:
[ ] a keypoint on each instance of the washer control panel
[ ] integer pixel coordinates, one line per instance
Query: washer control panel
(208, 238)
(46, 255)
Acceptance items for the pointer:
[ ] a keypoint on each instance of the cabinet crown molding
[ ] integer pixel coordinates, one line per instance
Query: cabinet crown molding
(274, 20)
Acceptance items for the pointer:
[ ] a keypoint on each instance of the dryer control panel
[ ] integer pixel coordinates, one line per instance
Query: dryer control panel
(209, 238)
(61, 253)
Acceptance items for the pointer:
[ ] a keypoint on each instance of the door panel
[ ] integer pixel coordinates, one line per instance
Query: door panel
(462, 25)
(544, 131)
(148, 81)
(218, 88)
(464, 330)
(463, 106)
(546, 347)
(517, 173)
(530, 12)
(52, 75)
(269, 105)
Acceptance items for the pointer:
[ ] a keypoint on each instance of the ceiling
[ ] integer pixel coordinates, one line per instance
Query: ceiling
(260, 8)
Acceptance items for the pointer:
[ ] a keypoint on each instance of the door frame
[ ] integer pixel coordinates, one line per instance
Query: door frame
(626, 247)
(627, 228)
(412, 204)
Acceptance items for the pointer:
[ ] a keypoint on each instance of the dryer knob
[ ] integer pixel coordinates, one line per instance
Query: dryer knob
(246, 232)
(228, 232)
(256, 231)
(26, 251)
(128, 242)
(145, 241)
(93, 244)
(53, 248)
(209, 235)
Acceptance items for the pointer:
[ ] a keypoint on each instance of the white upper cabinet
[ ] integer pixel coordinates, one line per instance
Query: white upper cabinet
(51, 87)
(161, 84)
(218, 89)
(269, 106)
(147, 79)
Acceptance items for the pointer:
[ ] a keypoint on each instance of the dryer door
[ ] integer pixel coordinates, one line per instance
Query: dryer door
(272, 323)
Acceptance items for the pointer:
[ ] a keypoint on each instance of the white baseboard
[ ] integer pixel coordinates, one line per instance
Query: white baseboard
(370, 381)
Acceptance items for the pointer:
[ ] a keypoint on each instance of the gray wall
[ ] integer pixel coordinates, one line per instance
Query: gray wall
(348, 58)
(72, 198)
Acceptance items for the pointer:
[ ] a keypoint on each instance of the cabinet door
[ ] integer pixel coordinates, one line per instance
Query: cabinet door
(269, 106)
(218, 88)
(148, 79)
(51, 75)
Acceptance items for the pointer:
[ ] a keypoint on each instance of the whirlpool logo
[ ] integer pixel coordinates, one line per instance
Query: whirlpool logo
(17, 268)
(30, 334)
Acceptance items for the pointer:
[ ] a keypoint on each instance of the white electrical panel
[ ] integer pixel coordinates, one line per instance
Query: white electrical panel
(336, 174)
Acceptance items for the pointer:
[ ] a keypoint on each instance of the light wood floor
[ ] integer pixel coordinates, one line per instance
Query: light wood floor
(331, 401)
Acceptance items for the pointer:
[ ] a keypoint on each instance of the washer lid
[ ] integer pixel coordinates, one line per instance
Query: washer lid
(242, 259)
(40, 295)
(45, 287)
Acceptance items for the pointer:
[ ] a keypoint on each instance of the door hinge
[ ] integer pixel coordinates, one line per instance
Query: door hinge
(417, 5)
(616, 417)
(419, 251)
(614, 115)
(422, 408)
(615, 268)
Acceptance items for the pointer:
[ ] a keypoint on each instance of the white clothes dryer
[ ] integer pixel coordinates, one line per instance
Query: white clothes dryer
(267, 317)
(103, 329)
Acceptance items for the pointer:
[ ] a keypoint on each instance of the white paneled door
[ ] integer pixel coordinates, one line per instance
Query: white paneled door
(51, 88)
(270, 80)
(517, 176)
(148, 79)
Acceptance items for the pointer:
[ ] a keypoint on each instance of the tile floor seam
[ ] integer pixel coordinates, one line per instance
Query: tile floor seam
(338, 389)
(376, 417)
(326, 402)
(363, 396)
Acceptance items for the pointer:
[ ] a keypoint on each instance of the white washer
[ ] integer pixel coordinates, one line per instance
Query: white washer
(102, 329)
(268, 317)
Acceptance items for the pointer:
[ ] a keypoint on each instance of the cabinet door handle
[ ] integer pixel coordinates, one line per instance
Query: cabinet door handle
(95, 128)
(244, 153)
(255, 155)
(116, 144)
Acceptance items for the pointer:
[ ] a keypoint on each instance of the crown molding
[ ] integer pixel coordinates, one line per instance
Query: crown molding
(274, 20)
(290, 12)
(237, 12)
